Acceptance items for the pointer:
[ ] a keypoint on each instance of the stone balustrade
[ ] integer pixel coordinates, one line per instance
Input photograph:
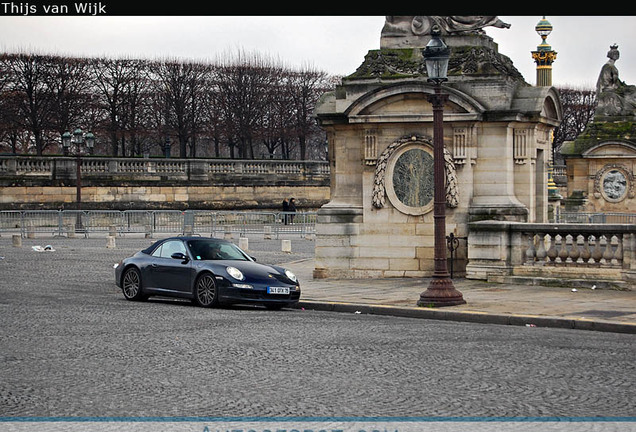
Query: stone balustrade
(575, 246)
(499, 251)
(62, 168)
(30, 182)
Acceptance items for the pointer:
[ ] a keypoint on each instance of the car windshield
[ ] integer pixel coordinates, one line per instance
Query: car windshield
(210, 249)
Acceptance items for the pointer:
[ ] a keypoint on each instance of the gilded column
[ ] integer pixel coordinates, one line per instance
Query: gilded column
(544, 56)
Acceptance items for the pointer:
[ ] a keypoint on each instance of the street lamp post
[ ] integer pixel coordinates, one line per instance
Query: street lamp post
(441, 291)
(78, 138)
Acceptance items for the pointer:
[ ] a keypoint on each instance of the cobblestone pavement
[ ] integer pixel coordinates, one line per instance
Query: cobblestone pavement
(72, 346)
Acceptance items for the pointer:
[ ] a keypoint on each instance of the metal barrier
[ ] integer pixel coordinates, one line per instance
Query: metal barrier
(599, 218)
(148, 222)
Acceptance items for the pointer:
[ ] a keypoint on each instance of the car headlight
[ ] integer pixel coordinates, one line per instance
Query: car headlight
(291, 276)
(235, 273)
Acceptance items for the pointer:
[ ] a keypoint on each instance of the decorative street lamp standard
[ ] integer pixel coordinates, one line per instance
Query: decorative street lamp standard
(441, 291)
(78, 138)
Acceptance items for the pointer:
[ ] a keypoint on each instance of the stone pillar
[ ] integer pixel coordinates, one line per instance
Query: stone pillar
(198, 170)
(267, 232)
(336, 246)
(65, 168)
(227, 234)
(489, 250)
(493, 180)
(337, 223)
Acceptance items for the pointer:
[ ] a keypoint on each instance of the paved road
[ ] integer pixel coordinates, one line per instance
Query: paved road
(72, 346)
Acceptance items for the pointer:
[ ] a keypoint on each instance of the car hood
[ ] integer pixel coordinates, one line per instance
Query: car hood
(255, 271)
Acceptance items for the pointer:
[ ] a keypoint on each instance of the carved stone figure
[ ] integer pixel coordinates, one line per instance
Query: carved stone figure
(614, 184)
(422, 25)
(615, 98)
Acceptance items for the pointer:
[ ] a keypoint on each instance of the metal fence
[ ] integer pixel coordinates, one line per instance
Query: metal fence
(149, 222)
(599, 218)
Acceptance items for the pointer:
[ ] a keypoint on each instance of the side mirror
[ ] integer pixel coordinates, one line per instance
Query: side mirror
(180, 256)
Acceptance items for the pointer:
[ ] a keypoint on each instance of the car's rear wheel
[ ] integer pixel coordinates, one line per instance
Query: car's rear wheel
(205, 291)
(131, 284)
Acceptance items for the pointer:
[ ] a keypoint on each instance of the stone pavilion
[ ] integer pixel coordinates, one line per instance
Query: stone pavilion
(600, 162)
(379, 123)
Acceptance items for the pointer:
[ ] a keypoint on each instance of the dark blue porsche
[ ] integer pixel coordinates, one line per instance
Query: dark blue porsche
(207, 270)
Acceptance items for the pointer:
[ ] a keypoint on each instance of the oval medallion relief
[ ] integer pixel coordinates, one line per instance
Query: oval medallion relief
(409, 176)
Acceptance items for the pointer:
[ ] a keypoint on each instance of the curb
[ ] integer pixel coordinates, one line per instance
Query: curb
(466, 316)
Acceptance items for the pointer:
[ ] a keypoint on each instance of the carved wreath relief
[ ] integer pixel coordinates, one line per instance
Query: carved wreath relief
(404, 174)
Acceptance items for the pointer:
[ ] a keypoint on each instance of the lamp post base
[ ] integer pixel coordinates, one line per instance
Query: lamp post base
(441, 292)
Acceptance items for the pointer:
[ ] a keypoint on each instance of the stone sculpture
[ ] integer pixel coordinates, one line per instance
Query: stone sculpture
(615, 98)
(422, 25)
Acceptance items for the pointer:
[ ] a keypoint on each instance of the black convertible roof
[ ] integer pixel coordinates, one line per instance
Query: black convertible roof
(156, 244)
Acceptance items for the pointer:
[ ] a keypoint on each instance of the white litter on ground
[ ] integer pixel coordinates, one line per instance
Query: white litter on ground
(47, 248)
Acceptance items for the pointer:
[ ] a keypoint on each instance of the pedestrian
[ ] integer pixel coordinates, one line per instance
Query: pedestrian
(292, 209)
(285, 210)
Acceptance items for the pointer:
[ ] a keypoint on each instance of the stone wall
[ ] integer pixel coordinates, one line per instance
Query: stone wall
(162, 197)
(121, 184)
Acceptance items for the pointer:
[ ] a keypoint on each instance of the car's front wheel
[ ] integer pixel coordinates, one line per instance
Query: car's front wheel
(131, 284)
(205, 291)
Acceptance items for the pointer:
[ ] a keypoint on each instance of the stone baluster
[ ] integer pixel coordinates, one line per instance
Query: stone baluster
(608, 252)
(563, 250)
(575, 252)
(597, 253)
(531, 251)
(541, 252)
(585, 251)
(618, 253)
(552, 250)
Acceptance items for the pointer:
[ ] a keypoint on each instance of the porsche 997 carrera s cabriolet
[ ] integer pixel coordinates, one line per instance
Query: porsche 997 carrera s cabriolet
(208, 271)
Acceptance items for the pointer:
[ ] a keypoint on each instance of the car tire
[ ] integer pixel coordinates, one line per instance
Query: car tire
(131, 285)
(206, 292)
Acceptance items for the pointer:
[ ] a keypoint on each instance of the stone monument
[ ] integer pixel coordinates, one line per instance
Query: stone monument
(379, 124)
(601, 161)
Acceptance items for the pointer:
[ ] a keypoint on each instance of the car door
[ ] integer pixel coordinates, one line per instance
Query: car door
(167, 273)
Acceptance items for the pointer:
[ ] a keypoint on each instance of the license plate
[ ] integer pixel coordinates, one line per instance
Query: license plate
(277, 290)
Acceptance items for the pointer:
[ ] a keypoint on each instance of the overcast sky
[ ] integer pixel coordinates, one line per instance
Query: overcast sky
(334, 44)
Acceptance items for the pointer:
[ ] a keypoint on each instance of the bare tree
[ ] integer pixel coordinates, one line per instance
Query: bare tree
(181, 84)
(71, 90)
(275, 122)
(305, 88)
(32, 75)
(243, 106)
(212, 120)
(112, 79)
(578, 109)
(9, 127)
(134, 113)
(243, 85)
(10, 122)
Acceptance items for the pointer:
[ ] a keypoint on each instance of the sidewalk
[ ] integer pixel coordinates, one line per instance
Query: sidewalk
(580, 308)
